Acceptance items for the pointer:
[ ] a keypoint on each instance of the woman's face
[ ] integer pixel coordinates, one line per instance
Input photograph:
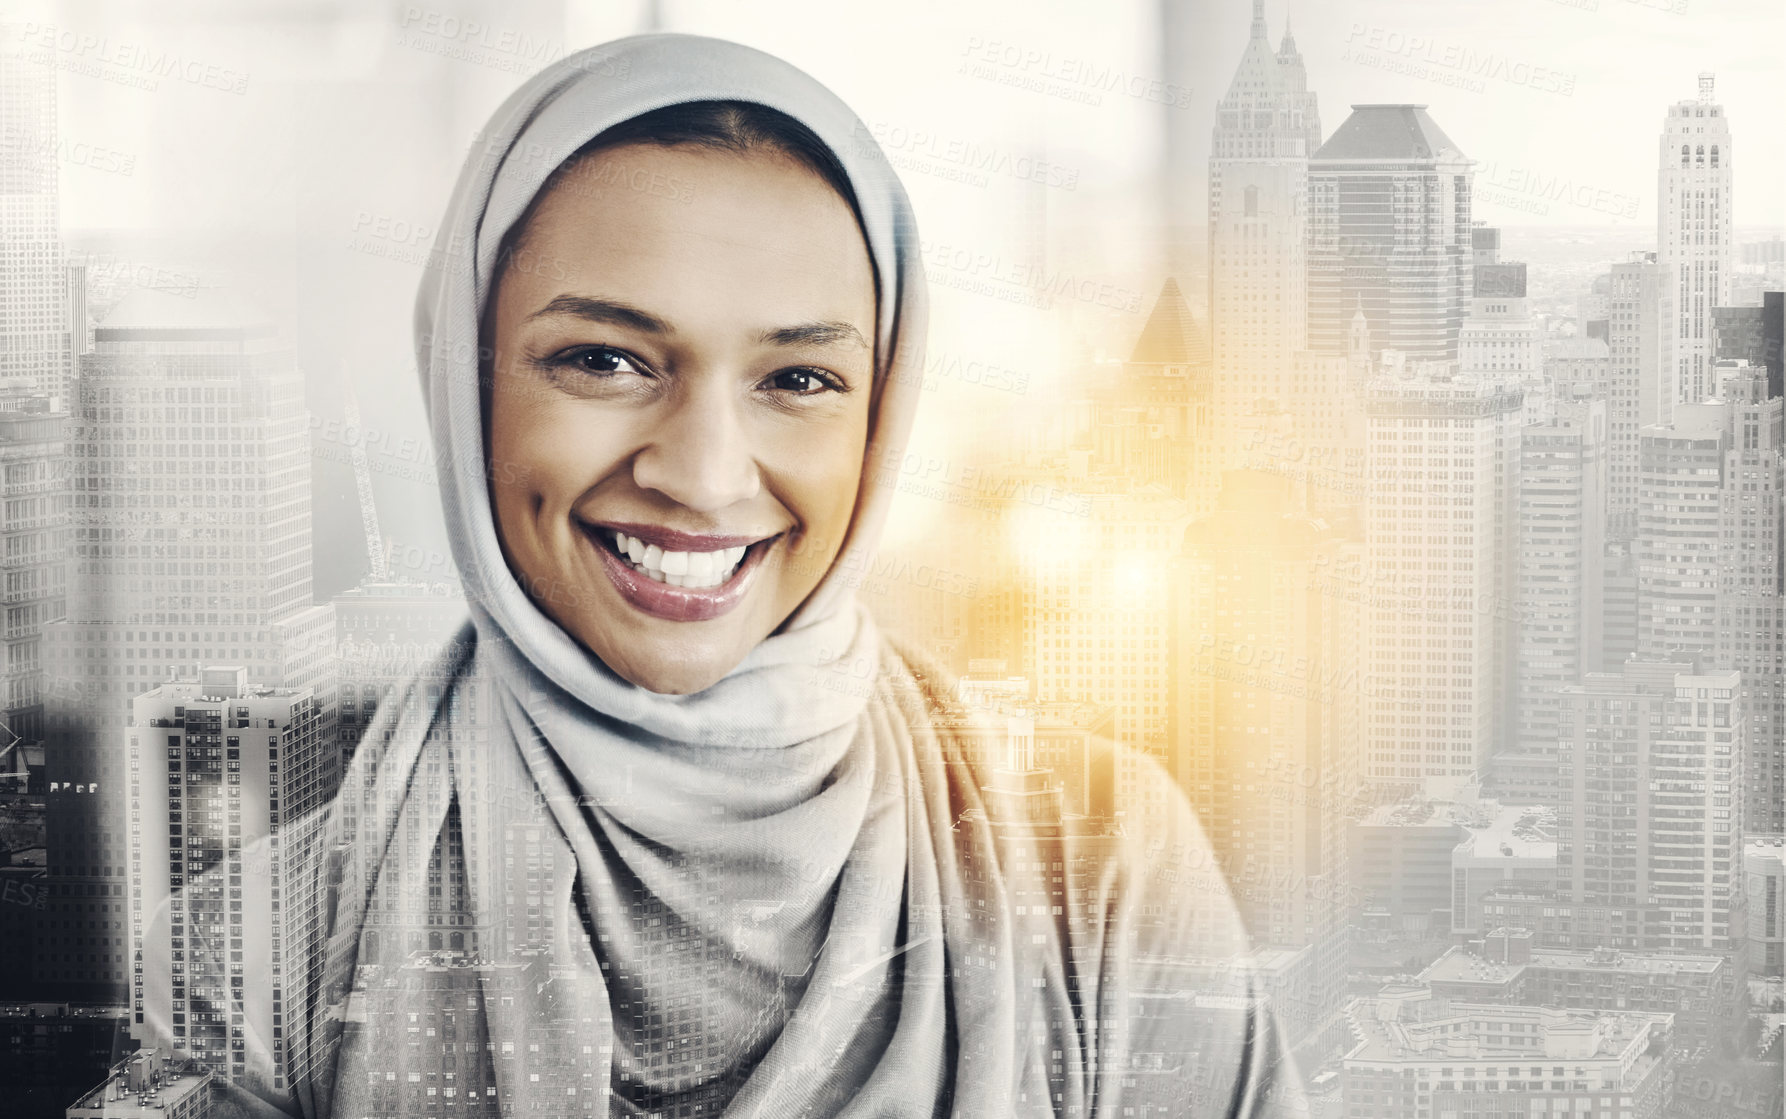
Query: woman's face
(683, 363)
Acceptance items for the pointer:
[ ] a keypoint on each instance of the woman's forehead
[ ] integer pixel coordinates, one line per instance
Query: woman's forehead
(695, 236)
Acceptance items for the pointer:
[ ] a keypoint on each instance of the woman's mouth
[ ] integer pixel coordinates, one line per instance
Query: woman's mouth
(697, 570)
(676, 576)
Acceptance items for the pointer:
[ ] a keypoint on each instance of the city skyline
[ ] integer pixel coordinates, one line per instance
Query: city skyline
(1447, 586)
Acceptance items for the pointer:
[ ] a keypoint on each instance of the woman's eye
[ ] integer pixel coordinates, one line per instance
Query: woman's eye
(803, 382)
(599, 361)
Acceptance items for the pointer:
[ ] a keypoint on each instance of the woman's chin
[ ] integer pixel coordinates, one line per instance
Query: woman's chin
(674, 670)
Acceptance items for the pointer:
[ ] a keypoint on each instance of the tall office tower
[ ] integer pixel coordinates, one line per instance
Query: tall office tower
(1693, 237)
(1644, 389)
(226, 787)
(1390, 233)
(1756, 335)
(1443, 455)
(1264, 724)
(1678, 550)
(1562, 519)
(190, 545)
(35, 350)
(1618, 605)
(1266, 128)
(34, 526)
(1751, 602)
(1649, 817)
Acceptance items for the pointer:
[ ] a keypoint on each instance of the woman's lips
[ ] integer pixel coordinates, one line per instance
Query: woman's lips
(673, 603)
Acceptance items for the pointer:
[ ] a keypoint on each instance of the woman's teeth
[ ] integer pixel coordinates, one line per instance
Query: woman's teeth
(679, 569)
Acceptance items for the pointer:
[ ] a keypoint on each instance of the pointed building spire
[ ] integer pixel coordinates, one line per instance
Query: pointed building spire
(1288, 49)
(1359, 337)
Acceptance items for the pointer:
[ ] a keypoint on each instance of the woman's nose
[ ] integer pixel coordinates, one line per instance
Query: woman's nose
(698, 453)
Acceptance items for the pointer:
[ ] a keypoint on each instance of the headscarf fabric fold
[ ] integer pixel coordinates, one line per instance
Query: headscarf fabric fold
(809, 890)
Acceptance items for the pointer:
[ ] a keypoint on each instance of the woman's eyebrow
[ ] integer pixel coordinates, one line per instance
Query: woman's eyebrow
(609, 311)
(615, 313)
(815, 334)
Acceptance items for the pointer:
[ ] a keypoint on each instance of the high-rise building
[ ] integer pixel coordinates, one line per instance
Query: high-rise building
(1390, 234)
(190, 544)
(1645, 383)
(1693, 229)
(1265, 707)
(1764, 871)
(1500, 338)
(34, 525)
(1562, 521)
(1267, 126)
(1443, 457)
(1681, 486)
(35, 347)
(1650, 814)
(226, 787)
(1618, 605)
(1751, 581)
(1755, 335)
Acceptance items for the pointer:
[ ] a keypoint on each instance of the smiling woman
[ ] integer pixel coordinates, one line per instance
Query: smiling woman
(672, 431)
(673, 828)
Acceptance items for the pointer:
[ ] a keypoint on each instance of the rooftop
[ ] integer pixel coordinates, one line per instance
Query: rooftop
(1171, 336)
(1515, 832)
(1388, 132)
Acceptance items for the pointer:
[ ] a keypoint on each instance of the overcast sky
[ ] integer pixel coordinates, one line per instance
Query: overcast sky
(1563, 89)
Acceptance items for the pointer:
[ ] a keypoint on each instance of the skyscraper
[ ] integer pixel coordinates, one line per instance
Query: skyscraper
(1681, 484)
(35, 347)
(1644, 379)
(1751, 603)
(190, 545)
(218, 907)
(1649, 824)
(34, 525)
(1693, 229)
(1390, 234)
(1442, 458)
(1562, 521)
(1267, 126)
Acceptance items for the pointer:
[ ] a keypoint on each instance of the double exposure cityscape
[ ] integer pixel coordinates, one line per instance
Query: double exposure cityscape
(1437, 559)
